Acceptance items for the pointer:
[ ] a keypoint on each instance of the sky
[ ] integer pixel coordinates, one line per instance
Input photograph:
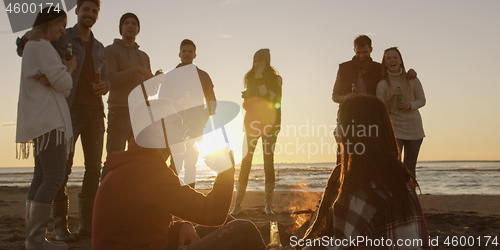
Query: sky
(452, 45)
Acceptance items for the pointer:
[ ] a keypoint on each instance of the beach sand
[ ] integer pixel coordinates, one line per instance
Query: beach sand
(447, 216)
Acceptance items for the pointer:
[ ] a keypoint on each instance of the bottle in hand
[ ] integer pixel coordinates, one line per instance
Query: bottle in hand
(274, 236)
(97, 78)
(69, 52)
(400, 97)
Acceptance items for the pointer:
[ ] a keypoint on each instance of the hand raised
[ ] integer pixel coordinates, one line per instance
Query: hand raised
(220, 160)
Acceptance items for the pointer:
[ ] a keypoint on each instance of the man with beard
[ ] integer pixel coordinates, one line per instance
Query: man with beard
(128, 67)
(90, 83)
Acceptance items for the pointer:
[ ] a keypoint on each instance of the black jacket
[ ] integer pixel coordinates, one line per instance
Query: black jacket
(348, 74)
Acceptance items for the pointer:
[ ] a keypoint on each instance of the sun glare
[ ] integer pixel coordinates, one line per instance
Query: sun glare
(211, 143)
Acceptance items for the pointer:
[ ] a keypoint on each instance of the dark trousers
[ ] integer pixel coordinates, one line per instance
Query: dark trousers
(88, 124)
(411, 148)
(237, 234)
(268, 145)
(50, 168)
(119, 132)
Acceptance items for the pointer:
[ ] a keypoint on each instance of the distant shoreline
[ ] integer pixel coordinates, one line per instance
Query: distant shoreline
(333, 163)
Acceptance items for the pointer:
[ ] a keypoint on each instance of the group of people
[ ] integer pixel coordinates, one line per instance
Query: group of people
(60, 99)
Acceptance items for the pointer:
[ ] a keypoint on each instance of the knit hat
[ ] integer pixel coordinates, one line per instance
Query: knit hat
(127, 15)
(46, 15)
(264, 54)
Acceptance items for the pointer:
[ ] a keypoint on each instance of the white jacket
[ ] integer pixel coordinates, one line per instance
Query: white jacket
(43, 108)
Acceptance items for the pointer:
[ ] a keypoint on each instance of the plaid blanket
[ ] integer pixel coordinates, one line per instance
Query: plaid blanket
(364, 221)
(366, 217)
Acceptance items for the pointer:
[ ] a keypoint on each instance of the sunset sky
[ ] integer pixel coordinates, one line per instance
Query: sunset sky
(452, 44)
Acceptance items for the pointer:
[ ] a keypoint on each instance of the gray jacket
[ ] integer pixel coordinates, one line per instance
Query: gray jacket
(121, 59)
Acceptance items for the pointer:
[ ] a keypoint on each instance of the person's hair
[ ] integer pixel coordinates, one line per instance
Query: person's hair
(44, 27)
(379, 162)
(363, 40)
(80, 2)
(187, 42)
(269, 74)
(383, 74)
(405, 87)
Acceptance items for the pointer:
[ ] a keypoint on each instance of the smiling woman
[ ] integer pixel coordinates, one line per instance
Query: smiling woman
(404, 112)
(44, 121)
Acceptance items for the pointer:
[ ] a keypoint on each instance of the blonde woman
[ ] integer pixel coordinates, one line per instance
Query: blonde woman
(403, 98)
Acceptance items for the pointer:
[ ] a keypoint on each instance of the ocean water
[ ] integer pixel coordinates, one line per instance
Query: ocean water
(444, 178)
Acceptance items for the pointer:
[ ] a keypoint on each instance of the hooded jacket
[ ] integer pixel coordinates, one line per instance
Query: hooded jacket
(135, 203)
(121, 59)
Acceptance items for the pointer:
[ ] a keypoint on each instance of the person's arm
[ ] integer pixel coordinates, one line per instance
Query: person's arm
(337, 89)
(411, 74)
(208, 90)
(418, 90)
(35, 35)
(188, 204)
(101, 88)
(382, 94)
(51, 66)
(117, 78)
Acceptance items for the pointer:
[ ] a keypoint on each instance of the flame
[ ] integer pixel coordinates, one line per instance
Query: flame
(305, 203)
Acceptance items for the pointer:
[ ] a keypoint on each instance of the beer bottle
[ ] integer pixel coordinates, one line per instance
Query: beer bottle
(400, 97)
(69, 52)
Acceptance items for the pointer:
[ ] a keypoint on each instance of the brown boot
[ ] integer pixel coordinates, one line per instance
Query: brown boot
(85, 208)
(60, 211)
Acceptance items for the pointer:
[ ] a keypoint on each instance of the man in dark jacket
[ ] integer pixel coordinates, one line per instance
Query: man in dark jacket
(361, 72)
(128, 67)
(197, 118)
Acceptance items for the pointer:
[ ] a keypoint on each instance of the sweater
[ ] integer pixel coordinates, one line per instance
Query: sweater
(42, 108)
(121, 59)
(135, 203)
(407, 123)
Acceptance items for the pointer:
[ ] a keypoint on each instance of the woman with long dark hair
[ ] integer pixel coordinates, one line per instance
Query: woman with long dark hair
(44, 121)
(262, 102)
(371, 194)
(403, 98)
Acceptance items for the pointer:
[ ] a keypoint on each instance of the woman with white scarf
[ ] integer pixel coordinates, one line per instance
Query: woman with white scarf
(44, 121)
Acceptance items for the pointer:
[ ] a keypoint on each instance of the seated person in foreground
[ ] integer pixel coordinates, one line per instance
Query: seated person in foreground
(137, 200)
(371, 194)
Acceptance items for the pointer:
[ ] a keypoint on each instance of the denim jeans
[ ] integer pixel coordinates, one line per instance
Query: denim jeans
(268, 145)
(119, 132)
(49, 170)
(237, 234)
(411, 147)
(88, 124)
